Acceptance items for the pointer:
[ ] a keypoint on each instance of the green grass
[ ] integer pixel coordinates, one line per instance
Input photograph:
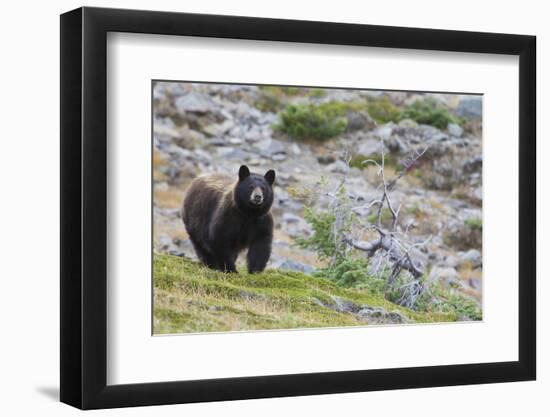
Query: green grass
(358, 160)
(474, 223)
(189, 297)
(386, 217)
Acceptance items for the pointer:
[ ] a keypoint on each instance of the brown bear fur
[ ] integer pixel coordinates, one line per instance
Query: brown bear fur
(224, 216)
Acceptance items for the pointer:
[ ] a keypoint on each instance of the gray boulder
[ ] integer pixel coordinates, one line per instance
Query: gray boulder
(455, 130)
(384, 132)
(269, 147)
(338, 167)
(473, 164)
(194, 102)
(378, 315)
(218, 129)
(358, 120)
(290, 265)
(368, 146)
(473, 257)
(445, 274)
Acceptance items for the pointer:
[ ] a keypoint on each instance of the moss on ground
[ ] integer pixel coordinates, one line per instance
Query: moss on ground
(189, 297)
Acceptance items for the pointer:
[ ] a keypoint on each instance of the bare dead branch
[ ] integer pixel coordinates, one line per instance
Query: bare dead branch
(394, 252)
(366, 206)
(401, 260)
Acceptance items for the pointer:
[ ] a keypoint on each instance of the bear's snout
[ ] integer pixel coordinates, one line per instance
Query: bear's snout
(257, 196)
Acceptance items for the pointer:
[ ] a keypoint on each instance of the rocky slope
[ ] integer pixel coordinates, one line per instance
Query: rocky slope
(201, 128)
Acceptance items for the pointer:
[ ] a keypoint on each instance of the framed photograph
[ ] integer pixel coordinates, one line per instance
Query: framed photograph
(258, 208)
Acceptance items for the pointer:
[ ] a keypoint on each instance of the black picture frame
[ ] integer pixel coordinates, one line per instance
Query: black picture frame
(84, 207)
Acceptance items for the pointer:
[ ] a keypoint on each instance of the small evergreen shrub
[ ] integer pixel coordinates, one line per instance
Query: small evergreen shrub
(309, 121)
(427, 111)
(352, 273)
(383, 110)
(321, 240)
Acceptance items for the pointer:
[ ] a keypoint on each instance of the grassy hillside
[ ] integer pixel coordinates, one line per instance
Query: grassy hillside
(191, 298)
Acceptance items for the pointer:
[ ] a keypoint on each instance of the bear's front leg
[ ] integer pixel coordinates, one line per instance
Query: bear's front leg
(223, 246)
(228, 265)
(226, 257)
(259, 252)
(226, 261)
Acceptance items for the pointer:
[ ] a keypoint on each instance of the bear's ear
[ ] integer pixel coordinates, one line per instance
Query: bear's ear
(243, 172)
(270, 176)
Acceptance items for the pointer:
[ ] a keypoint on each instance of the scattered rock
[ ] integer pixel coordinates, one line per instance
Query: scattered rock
(407, 124)
(448, 275)
(368, 147)
(473, 165)
(378, 315)
(290, 265)
(368, 314)
(218, 129)
(396, 144)
(358, 120)
(339, 167)
(295, 149)
(475, 283)
(294, 225)
(326, 159)
(455, 130)
(218, 142)
(235, 141)
(384, 132)
(169, 130)
(194, 102)
(203, 156)
(255, 134)
(230, 153)
(291, 218)
(344, 306)
(172, 247)
(270, 147)
(476, 195)
(472, 257)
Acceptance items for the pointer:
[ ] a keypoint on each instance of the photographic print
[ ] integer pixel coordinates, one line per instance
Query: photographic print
(290, 207)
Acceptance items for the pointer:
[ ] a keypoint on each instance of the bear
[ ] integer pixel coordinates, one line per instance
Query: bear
(223, 216)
